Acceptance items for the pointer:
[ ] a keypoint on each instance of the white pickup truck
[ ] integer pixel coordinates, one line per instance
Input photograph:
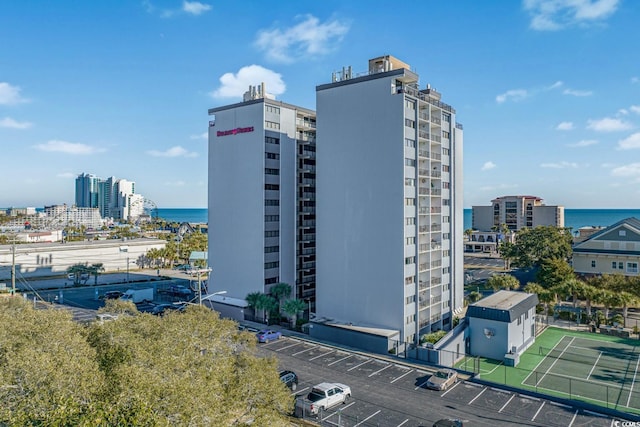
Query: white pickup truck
(323, 396)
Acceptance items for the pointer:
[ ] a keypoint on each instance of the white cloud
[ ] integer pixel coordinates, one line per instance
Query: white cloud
(574, 92)
(565, 126)
(194, 7)
(552, 15)
(630, 143)
(635, 109)
(68, 147)
(632, 170)
(66, 175)
(309, 38)
(234, 85)
(560, 165)
(203, 135)
(8, 122)
(488, 166)
(556, 85)
(176, 151)
(513, 95)
(10, 95)
(608, 124)
(583, 143)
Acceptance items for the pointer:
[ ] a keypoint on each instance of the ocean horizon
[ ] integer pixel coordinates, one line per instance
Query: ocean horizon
(573, 218)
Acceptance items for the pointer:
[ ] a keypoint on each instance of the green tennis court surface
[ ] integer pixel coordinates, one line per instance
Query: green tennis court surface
(599, 369)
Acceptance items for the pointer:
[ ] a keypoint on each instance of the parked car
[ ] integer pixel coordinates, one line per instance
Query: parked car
(290, 379)
(324, 396)
(182, 267)
(111, 295)
(268, 335)
(442, 379)
(448, 422)
(176, 290)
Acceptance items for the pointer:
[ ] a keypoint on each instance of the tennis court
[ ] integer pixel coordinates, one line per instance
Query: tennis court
(599, 369)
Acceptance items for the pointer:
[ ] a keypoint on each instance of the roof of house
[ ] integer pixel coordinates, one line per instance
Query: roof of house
(503, 306)
(612, 233)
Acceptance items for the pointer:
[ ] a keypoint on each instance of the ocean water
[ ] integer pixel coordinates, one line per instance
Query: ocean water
(577, 218)
(574, 218)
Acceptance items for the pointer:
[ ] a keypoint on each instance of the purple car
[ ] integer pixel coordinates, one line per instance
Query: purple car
(268, 335)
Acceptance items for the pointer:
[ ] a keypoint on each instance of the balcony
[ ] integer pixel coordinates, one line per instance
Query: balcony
(307, 223)
(436, 192)
(308, 196)
(436, 209)
(423, 248)
(308, 209)
(308, 265)
(308, 238)
(423, 229)
(423, 267)
(423, 153)
(436, 280)
(307, 168)
(436, 120)
(424, 191)
(306, 154)
(436, 174)
(307, 251)
(436, 138)
(308, 182)
(437, 263)
(423, 211)
(423, 134)
(423, 172)
(436, 156)
(436, 227)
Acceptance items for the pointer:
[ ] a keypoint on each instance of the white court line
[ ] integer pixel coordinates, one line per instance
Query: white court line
(403, 423)
(505, 405)
(454, 386)
(368, 418)
(477, 396)
(380, 370)
(299, 391)
(405, 374)
(555, 361)
(292, 345)
(573, 419)
(300, 352)
(357, 366)
(491, 371)
(321, 355)
(543, 359)
(538, 411)
(340, 360)
(594, 366)
(633, 382)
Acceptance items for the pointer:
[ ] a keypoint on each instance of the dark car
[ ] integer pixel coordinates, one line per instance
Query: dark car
(290, 379)
(162, 309)
(112, 295)
(448, 422)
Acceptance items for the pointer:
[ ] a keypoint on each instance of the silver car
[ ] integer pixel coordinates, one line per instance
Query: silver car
(442, 379)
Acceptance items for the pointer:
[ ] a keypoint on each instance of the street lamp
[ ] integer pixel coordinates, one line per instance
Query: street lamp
(208, 297)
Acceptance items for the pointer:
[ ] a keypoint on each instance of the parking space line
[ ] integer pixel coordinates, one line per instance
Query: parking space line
(323, 354)
(300, 352)
(339, 409)
(574, 418)
(420, 385)
(284, 348)
(340, 360)
(505, 405)
(538, 411)
(477, 396)
(299, 391)
(405, 374)
(388, 366)
(368, 418)
(454, 386)
(357, 366)
(403, 423)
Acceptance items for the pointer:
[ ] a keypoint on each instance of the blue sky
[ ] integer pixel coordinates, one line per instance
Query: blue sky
(548, 91)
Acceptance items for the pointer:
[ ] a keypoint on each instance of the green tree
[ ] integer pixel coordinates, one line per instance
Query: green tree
(254, 300)
(95, 270)
(553, 272)
(280, 291)
(533, 245)
(474, 296)
(544, 295)
(507, 251)
(503, 281)
(78, 271)
(292, 307)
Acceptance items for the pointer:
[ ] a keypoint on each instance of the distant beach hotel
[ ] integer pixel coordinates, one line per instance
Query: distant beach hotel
(514, 212)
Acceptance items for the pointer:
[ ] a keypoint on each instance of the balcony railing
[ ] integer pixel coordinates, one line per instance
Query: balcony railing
(423, 248)
(436, 156)
(424, 135)
(308, 209)
(423, 191)
(308, 182)
(436, 227)
(436, 192)
(423, 229)
(307, 223)
(423, 172)
(423, 153)
(423, 267)
(436, 120)
(436, 209)
(307, 251)
(423, 211)
(436, 138)
(436, 174)
(308, 237)
(436, 263)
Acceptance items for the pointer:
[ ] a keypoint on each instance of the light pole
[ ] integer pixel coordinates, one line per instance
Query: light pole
(208, 297)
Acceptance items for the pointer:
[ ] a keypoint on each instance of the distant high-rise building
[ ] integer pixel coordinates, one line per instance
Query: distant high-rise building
(115, 198)
(389, 211)
(516, 212)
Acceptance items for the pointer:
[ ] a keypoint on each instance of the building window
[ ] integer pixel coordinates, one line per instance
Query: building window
(410, 300)
(270, 171)
(271, 125)
(620, 266)
(409, 201)
(446, 253)
(273, 187)
(411, 105)
(614, 264)
(446, 117)
(272, 233)
(526, 315)
(593, 264)
(411, 319)
(520, 320)
(445, 219)
(410, 220)
(274, 156)
(445, 168)
(632, 267)
(446, 236)
(446, 270)
(268, 265)
(622, 233)
(271, 140)
(271, 249)
(410, 182)
(409, 280)
(445, 151)
(271, 109)
(410, 260)
(411, 240)
(409, 143)
(446, 134)
(272, 280)
(445, 202)
(271, 218)
(410, 162)
(272, 202)
(445, 185)
(410, 123)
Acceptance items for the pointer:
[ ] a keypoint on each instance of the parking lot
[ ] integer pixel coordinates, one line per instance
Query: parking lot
(388, 393)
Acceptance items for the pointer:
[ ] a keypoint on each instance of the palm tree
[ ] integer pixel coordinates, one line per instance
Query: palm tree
(292, 307)
(254, 300)
(280, 291)
(588, 293)
(95, 270)
(474, 296)
(626, 298)
(270, 307)
(544, 295)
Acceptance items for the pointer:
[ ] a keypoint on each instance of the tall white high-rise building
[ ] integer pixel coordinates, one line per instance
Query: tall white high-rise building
(389, 202)
(115, 198)
(262, 196)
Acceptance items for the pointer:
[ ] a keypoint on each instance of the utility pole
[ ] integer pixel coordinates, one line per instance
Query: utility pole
(13, 267)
